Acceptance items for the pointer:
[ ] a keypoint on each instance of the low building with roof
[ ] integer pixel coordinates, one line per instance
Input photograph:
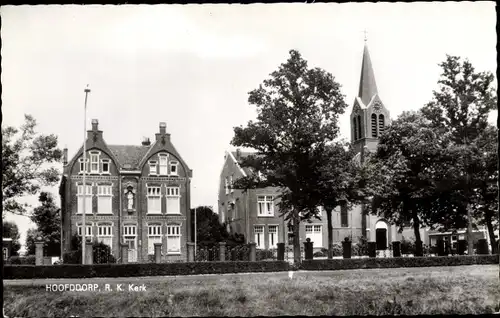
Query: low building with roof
(137, 194)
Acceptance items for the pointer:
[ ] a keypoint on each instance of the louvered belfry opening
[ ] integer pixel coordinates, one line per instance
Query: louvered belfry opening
(359, 127)
(381, 124)
(374, 125)
(354, 124)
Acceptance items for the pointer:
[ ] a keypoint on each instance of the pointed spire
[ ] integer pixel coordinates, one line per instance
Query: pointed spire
(367, 85)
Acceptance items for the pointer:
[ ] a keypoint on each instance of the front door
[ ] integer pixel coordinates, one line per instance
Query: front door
(381, 239)
(132, 249)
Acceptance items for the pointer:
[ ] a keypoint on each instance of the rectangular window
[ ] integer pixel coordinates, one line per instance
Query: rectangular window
(105, 234)
(88, 199)
(344, 219)
(315, 233)
(273, 236)
(265, 205)
(154, 236)
(88, 233)
(154, 200)
(152, 167)
(5, 253)
(94, 162)
(105, 165)
(259, 235)
(129, 230)
(173, 200)
(173, 168)
(231, 184)
(173, 239)
(86, 165)
(226, 185)
(104, 199)
(163, 164)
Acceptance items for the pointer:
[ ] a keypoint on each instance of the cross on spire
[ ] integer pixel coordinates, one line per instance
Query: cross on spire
(365, 34)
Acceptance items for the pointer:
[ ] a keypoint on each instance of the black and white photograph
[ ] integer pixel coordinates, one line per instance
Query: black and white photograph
(241, 160)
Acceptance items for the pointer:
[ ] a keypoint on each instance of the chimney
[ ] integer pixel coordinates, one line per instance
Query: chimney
(95, 124)
(238, 154)
(95, 134)
(146, 142)
(163, 128)
(65, 156)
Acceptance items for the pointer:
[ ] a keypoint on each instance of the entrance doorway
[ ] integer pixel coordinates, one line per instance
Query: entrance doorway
(381, 235)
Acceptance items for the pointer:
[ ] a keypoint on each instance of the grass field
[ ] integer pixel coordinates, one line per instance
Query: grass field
(410, 291)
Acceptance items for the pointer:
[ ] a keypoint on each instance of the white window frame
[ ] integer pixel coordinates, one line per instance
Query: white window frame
(153, 168)
(94, 155)
(161, 158)
(314, 234)
(174, 233)
(265, 211)
(105, 232)
(108, 162)
(105, 191)
(226, 185)
(173, 193)
(154, 236)
(153, 193)
(130, 230)
(258, 236)
(175, 164)
(89, 197)
(274, 235)
(88, 234)
(80, 161)
(231, 184)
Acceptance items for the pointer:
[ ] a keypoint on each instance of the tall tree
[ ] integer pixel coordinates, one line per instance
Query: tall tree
(24, 162)
(461, 107)
(47, 217)
(298, 109)
(209, 230)
(10, 230)
(31, 237)
(409, 170)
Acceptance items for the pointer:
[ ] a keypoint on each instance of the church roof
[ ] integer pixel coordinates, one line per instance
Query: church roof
(243, 154)
(367, 84)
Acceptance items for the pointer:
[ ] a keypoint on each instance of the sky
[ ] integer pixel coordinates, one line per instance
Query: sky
(192, 66)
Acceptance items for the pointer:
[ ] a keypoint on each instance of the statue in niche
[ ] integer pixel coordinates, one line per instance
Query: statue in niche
(130, 194)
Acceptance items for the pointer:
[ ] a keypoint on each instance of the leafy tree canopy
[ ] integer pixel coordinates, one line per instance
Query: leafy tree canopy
(10, 230)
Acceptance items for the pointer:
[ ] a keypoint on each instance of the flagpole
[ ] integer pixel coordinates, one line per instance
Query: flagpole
(195, 233)
(84, 187)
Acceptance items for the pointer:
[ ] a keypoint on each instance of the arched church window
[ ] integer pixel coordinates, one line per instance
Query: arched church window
(359, 127)
(381, 124)
(374, 125)
(354, 125)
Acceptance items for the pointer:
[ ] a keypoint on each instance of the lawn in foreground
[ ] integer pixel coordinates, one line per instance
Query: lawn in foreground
(430, 290)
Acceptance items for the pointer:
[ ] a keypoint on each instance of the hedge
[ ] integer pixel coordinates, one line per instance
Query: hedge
(21, 260)
(131, 270)
(393, 262)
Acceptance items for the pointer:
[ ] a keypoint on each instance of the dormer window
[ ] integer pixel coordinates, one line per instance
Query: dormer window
(82, 168)
(105, 165)
(163, 164)
(173, 168)
(152, 167)
(94, 162)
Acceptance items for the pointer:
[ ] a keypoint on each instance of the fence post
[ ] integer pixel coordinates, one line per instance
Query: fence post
(157, 252)
(281, 251)
(190, 252)
(253, 247)
(222, 251)
(308, 249)
(89, 253)
(124, 248)
(39, 253)
(482, 247)
(396, 249)
(372, 249)
(440, 247)
(346, 248)
(461, 247)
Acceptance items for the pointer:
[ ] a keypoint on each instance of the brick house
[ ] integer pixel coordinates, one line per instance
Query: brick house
(138, 195)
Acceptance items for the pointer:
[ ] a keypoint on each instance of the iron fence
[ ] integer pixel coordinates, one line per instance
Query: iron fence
(238, 253)
(207, 254)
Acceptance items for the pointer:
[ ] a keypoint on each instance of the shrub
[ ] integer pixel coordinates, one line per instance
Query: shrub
(264, 254)
(72, 257)
(101, 254)
(320, 254)
(20, 260)
(144, 269)
(393, 262)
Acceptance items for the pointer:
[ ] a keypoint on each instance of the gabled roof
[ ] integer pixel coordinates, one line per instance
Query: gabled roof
(247, 170)
(128, 156)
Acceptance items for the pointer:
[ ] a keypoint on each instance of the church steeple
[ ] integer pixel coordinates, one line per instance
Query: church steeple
(367, 84)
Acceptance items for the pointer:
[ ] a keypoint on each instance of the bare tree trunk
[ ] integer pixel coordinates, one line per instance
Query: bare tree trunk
(416, 231)
(296, 237)
(489, 225)
(330, 233)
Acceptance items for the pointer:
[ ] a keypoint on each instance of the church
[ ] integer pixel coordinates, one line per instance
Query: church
(254, 213)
